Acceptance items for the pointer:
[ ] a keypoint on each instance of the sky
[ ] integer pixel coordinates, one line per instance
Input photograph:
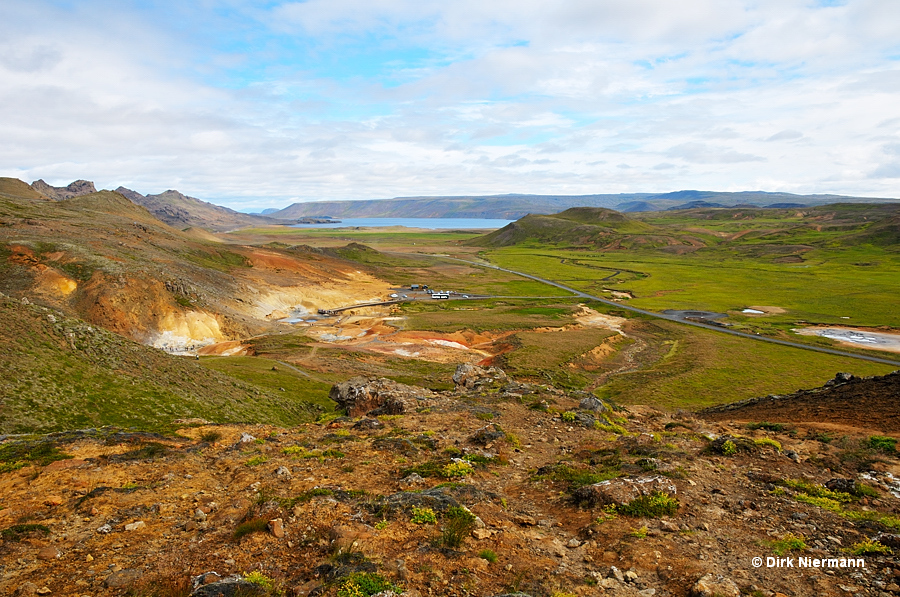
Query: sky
(261, 104)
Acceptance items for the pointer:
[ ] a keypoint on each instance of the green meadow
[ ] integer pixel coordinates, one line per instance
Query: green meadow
(860, 283)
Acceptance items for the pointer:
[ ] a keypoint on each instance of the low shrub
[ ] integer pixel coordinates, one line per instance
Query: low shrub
(489, 555)
(639, 533)
(259, 579)
(609, 427)
(423, 516)
(887, 445)
(363, 584)
(818, 491)
(211, 436)
(457, 469)
(651, 506)
(254, 525)
(867, 547)
(18, 531)
(765, 441)
(789, 542)
(458, 524)
(728, 448)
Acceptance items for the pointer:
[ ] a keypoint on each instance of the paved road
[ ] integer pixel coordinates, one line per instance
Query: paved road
(714, 328)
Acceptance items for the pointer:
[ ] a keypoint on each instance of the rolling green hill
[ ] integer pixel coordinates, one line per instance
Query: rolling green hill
(574, 226)
(842, 224)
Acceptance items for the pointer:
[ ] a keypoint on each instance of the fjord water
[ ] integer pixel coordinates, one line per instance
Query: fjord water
(429, 223)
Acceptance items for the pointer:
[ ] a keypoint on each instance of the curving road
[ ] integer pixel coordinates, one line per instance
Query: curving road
(714, 328)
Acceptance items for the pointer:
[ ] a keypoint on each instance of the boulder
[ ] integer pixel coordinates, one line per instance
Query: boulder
(622, 491)
(437, 498)
(470, 376)
(889, 539)
(715, 585)
(395, 444)
(370, 396)
(840, 378)
(486, 435)
(368, 424)
(413, 479)
(841, 485)
(594, 404)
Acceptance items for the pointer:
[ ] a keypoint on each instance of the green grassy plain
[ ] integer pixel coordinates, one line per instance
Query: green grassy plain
(856, 282)
(698, 368)
(488, 314)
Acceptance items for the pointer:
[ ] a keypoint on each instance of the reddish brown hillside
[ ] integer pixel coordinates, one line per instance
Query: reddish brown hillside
(867, 403)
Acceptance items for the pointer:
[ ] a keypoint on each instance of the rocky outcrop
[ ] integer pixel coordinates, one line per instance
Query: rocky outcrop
(470, 376)
(75, 189)
(369, 396)
(181, 211)
(594, 404)
(619, 492)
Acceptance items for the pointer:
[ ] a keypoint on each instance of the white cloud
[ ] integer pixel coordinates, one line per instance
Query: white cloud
(356, 99)
(786, 135)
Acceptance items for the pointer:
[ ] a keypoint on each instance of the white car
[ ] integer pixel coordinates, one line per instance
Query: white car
(394, 295)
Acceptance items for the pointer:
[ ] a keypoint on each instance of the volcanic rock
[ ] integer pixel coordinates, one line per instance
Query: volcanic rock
(75, 189)
(369, 396)
(469, 376)
(622, 491)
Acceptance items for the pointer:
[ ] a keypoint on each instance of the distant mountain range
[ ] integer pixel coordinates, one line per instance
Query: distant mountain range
(182, 211)
(514, 206)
